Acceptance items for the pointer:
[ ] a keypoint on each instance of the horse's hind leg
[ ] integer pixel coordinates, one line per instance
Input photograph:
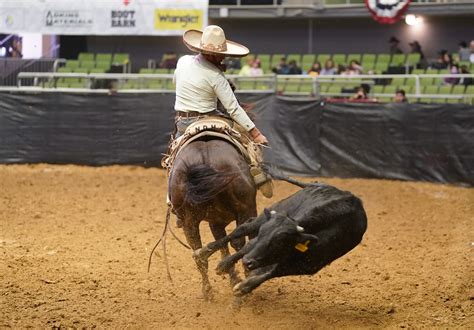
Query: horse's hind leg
(191, 231)
(218, 231)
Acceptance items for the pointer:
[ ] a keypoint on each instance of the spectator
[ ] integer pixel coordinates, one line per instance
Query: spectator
(443, 61)
(361, 94)
(232, 63)
(328, 69)
(293, 68)
(465, 81)
(452, 70)
(471, 57)
(394, 49)
(282, 67)
(169, 61)
(400, 96)
(256, 69)
(245, 71)
(355, 68)
(416, 49)
(315, 69)
(16, 48)
(464, 52)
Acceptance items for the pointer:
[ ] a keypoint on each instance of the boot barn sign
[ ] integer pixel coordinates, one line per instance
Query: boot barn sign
(104, 17)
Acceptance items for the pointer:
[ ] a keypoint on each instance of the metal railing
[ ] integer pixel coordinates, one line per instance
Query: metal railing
(11, 67)
(312, 3)
(292, 85)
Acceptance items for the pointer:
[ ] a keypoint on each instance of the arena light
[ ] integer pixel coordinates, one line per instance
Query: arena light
(413, 20)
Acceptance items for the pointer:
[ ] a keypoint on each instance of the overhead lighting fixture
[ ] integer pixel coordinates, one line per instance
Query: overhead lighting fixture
(413, 20)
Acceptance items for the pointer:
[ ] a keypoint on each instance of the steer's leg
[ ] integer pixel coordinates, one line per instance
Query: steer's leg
(249, 228)
(230, 261)
(255, 278)
(218, 231)
(191, 231)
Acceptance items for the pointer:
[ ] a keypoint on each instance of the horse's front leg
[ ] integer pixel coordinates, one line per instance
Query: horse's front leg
(193, 237)
(218, 231)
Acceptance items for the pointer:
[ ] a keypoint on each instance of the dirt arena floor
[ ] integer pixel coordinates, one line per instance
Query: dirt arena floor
(74, 245)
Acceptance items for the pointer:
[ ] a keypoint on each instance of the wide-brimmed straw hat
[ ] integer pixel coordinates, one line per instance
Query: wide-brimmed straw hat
(212, 41)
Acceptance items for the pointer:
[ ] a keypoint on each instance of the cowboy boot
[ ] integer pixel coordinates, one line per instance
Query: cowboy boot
(262, 181)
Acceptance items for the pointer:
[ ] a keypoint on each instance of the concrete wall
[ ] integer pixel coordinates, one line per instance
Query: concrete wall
(358, 35)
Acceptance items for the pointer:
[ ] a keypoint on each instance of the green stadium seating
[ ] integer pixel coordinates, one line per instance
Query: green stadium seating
(397, 81)
(407, 88)
(87, 64)
(418, 71)
(72, 63)
(97, 70)
(381, 67)
(292, 85)
(351, 57)
(276, 59)
(307, 61)
(458, 89)
(383, 58)
(162, 71)
(103, 57)
(130, 84)
(430, 90)
(82, 70)
(398, 60)
(306, 87)
(368, 66)
(61, 83)
(86, 57)
(146, 70)
(334, 90)
(322, 58)
(77, 84)
(65, 70)
(339, 59)
(411, 81)
(445, 89)
(469, 90)
(368, 58)
(245, 84)
(378, 89)
(120, 58)
(102, 65)
(265, 62)
(389, 89)
(413, 59)
(295, 57)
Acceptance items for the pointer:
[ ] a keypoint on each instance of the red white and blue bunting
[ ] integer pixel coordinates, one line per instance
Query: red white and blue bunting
(387, 11)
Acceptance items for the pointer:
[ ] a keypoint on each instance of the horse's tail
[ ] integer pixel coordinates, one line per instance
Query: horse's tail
(204, 183)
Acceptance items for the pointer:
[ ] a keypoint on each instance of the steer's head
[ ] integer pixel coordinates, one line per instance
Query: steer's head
(277, 239)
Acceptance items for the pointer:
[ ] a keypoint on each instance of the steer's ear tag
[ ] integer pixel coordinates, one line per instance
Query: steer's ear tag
(302, 247)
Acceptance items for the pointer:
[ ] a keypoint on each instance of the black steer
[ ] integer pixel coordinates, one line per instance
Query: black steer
(299, 236)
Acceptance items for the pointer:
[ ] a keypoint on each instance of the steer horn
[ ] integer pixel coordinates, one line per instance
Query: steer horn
(300, 229)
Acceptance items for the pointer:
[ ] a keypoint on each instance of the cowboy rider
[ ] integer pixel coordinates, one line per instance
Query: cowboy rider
(200, 81)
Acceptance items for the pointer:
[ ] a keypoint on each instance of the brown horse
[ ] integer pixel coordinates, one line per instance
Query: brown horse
(210, 181)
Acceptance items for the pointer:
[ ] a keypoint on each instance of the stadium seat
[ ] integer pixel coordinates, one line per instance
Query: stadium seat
(146, 70)
(458, 89)
(398, 60)
(306, 87)
(334, 90)
(276, 59)
(65, 70)
(322, 58)
(356, 57)
(265, 62)
(307, 61)
(130, 84)
(77, 84)
(430, 90)
(370, 58)
(87, 64)
(378, 89)
(413, 59)
(339, 59)
(120, 58)
(292, 85)
(381, 67)
(411, 81)
(86, 57)
(82, 70)
(445, 89)
(407, 88)
(61, 83)
(97, 70)
(102, 65)
(383, 58)
(389, 89)
(418, 71)
(72, 63)
(397, 81)
(469, 90)
(103, 57)
(295, 57)
(245, 85)
(162, 71)
(368, 66)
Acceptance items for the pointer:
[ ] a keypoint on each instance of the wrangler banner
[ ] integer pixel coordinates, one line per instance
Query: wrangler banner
(104, 17)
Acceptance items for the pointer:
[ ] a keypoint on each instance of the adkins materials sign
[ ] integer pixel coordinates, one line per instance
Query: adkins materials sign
(103, 17)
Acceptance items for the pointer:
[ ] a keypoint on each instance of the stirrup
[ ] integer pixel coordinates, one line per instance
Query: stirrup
(262, 181)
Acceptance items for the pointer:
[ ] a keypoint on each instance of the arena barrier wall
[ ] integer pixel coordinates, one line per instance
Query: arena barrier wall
(307, 137)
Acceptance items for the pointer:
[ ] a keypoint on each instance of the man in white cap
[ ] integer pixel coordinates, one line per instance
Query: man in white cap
(200, 81)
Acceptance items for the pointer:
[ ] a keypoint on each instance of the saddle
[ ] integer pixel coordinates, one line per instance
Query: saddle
(216, 127)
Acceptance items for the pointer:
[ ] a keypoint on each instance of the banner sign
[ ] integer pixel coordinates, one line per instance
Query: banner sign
(103, 17)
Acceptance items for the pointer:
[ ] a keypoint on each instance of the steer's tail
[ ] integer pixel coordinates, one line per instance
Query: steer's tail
(277, 174)
(204, 183)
